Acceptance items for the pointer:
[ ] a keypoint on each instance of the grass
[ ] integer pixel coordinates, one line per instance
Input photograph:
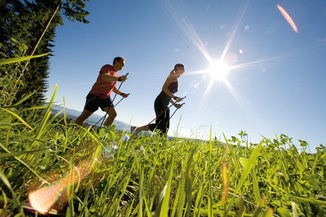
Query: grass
(152, 176)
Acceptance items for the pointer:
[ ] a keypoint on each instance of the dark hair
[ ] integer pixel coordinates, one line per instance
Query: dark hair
(118, 59)
(179, 65)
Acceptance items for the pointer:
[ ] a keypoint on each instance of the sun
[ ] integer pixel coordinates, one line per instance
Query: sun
(218, 70)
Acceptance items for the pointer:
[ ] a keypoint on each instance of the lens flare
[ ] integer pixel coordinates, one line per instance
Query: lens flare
(53, 197)
(288, 18)
(225, 181)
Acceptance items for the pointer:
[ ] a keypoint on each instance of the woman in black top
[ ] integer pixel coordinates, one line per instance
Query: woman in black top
(162, 110)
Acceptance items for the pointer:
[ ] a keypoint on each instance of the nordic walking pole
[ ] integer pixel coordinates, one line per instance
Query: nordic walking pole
(112, 103)
(176, 110)
(119, 88)
(119, 101)
(160, 114)
(105, 113)
(163, 112)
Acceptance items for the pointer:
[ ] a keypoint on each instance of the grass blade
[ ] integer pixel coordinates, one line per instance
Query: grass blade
(19, 59)
(188, 184)
(250, 165)
(141, 178)
(7, 183)
(13, 154)
(165, 206)
(16, 116)
(24, 99)
(23, 163)
(256, 187)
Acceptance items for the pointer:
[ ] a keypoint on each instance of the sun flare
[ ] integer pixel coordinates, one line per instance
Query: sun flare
(218, 70)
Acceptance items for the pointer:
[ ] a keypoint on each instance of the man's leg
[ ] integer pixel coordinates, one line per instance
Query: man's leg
(112, 115)
(82, 118)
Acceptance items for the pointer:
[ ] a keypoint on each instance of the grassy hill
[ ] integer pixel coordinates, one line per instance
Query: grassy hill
(82, 172)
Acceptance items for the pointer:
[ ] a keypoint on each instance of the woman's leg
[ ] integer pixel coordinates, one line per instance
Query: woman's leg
(167, 121)
(142, 128)
(159, 121)
(164, 122)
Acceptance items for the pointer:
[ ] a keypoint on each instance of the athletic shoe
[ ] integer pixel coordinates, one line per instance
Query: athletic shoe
(134, 130)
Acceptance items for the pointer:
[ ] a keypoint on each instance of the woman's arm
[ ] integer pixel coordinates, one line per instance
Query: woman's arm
(166, 90)
(172, 102)
(165, 87)
(176, 104)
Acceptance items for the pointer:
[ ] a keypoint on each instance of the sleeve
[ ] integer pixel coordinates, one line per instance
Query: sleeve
(111, 72)
(103, 69)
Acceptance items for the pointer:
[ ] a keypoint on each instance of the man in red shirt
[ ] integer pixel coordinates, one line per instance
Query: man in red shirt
(99, 96)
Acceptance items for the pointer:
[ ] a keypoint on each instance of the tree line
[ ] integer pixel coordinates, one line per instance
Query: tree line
(28, 28)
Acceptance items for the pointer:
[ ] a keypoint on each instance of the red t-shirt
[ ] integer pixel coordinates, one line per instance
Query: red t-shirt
(103, 88)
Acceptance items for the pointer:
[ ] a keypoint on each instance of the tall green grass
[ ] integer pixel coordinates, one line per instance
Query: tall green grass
(152, 176)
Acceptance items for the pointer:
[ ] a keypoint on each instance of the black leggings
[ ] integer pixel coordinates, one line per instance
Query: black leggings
(162, 112)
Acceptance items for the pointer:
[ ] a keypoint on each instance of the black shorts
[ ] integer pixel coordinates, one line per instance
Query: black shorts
(93, 102)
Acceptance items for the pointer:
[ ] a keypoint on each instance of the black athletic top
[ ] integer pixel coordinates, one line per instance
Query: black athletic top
(173, 87)
(164, 99)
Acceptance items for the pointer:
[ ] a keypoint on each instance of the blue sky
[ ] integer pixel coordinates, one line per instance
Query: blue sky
(274, 85)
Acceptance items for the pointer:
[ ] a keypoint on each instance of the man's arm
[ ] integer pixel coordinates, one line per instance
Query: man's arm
(124, 95)
(116, 91)
(107, 77)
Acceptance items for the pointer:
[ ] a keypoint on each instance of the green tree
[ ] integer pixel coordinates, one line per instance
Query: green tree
(28, 28)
